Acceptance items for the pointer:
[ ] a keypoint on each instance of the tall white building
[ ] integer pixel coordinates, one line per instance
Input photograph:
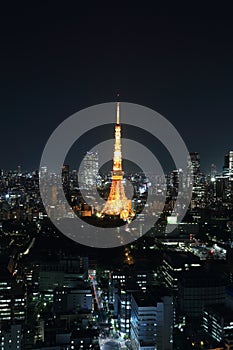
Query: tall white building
(231, 162)
(89, 170)
(228, 164)
(151, 321)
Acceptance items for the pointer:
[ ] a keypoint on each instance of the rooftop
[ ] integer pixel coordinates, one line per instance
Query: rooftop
(179, 259)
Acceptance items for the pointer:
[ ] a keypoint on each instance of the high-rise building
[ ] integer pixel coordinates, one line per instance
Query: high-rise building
(125, 311)
(218, 323)
(198, 288)
(65, 173)
(176, 177)
(12, 299)
(199, 182)
(228, 164)
(152, 321)
(231, 162)
(89, 172)
(228, 175)
(213, 172)
(195, 160)
(222, 187)
(174, 263)
(11, 337)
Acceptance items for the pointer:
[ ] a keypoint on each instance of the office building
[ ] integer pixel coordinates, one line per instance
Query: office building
(197, 289)
(228, 164)
(152, 321)
(89, 172)
(11, 337)
(12, 299)
(218, 323)
(174, 263)
(195, 160)
(67, 300)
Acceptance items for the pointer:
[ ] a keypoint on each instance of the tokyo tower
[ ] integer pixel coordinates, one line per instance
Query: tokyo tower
(117, 203)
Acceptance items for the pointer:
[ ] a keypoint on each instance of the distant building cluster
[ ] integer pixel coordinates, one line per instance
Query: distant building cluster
(166, 291)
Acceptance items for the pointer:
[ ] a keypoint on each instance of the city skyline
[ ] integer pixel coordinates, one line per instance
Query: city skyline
(131, 168)
(116, 176)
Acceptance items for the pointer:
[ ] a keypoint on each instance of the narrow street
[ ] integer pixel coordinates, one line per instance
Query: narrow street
(108, 339)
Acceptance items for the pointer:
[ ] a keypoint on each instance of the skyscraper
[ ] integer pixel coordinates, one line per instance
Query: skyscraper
(218, 323)
(152, 321)
(199, 187)
(65, 173)
(195, 160)
(198, 288)
(231, 162)
(228, 164)
(90, 170)
(213, 172)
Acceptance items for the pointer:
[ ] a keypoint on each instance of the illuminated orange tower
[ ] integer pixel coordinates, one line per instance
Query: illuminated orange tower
(117, 203)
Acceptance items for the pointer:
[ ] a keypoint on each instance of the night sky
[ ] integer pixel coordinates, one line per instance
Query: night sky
(56, 60)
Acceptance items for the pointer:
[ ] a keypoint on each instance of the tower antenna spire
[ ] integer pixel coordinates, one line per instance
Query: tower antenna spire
(118, 110)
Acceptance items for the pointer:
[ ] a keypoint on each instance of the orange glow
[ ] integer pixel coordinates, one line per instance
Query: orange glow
(117, 203)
